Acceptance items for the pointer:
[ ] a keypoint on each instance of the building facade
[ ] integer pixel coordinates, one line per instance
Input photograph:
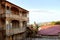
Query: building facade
(13, 21)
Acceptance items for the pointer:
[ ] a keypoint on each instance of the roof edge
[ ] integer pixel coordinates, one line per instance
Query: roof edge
(17, 6)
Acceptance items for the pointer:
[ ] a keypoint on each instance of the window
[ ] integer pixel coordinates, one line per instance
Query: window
(24, 23)
(15, 24)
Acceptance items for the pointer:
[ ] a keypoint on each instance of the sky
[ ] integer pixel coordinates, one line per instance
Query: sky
(40, 10)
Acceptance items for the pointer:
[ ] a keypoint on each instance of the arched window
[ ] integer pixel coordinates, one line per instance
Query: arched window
(15, 24)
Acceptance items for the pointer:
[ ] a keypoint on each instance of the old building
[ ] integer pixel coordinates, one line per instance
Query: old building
(13, 21)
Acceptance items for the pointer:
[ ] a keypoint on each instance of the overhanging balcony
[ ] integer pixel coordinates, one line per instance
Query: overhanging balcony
(13, 16)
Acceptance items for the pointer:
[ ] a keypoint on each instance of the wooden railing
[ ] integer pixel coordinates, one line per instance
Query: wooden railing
(15, 31)
(13, 16)
(17, 17)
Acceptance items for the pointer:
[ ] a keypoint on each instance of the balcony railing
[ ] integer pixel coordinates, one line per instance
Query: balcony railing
(13, 16)
(15, 31)
(25, 18)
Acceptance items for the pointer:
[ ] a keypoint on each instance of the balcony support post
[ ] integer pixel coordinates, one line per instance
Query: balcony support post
(21, 24)
(20, 13)
(8, 26)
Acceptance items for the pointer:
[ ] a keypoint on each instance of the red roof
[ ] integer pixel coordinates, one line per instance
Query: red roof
(49, 30)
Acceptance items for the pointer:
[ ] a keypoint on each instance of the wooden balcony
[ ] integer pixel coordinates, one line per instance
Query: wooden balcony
(13, 16)
(15, 31)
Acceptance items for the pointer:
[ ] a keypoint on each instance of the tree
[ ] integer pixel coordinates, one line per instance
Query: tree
(57, 23)
(53, 23)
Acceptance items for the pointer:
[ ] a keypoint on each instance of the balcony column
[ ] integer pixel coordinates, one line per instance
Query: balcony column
(8, 26)
(20, 13)
(5, 8)
(10, 8)
(21, 24)
(27, 14)
(7, 23)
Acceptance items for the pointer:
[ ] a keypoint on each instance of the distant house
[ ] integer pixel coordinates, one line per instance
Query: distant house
(13, 21)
